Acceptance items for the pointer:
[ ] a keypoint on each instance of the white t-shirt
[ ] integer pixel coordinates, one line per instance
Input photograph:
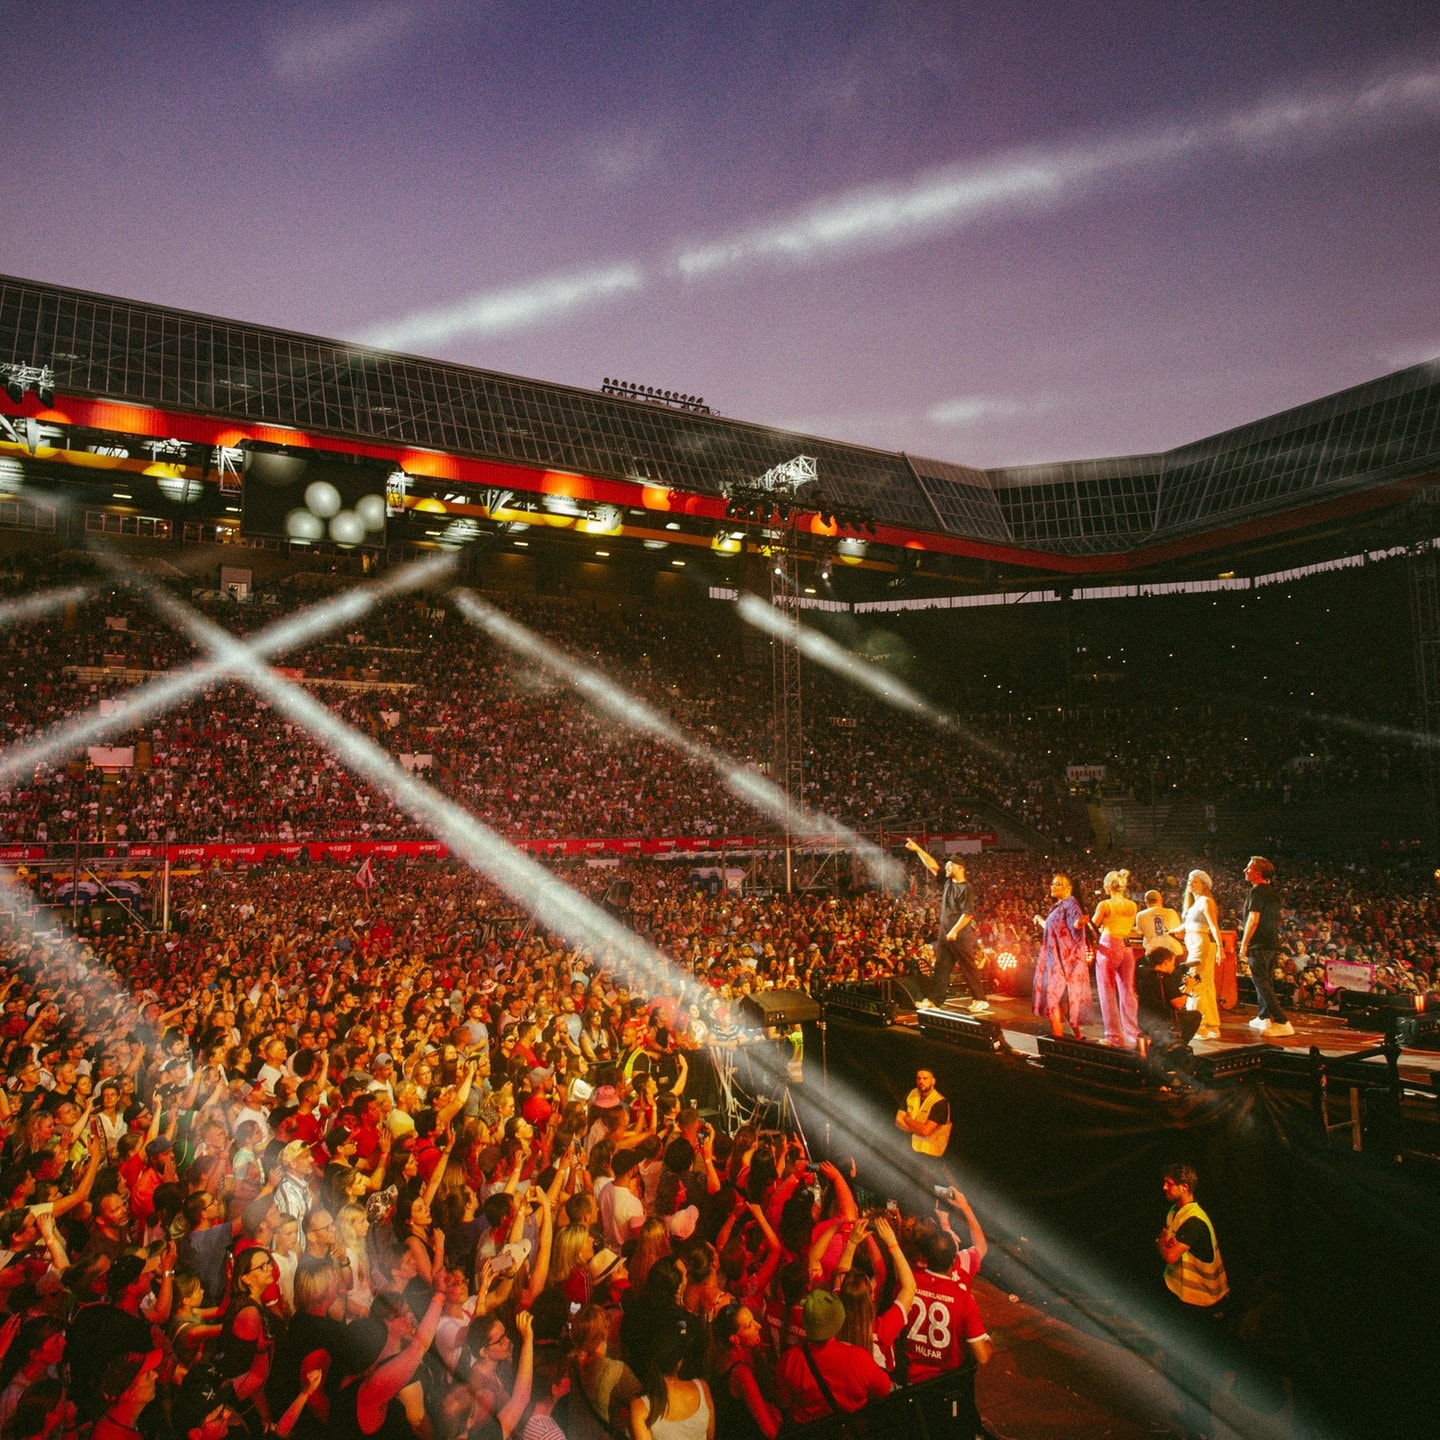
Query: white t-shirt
(1152, 925)
(621, 1213)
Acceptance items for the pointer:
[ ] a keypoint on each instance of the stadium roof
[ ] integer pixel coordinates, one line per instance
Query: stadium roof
(125, 365)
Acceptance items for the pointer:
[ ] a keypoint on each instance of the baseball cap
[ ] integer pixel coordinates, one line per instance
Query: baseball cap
(822, 1315)
(293, 1151)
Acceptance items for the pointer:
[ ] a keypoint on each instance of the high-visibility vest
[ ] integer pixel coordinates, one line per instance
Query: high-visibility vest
(1193, 1281)
(937, 1140)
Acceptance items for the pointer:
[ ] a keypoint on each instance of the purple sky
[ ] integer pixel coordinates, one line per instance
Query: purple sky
(988, 233)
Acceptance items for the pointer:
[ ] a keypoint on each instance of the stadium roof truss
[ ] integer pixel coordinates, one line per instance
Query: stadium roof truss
(1361, 449)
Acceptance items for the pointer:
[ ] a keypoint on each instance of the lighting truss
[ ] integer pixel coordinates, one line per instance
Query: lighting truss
(20, 378)
(775, 495)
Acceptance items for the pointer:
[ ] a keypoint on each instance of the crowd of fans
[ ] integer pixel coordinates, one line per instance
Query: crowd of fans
(501, 735)
(325, 1162)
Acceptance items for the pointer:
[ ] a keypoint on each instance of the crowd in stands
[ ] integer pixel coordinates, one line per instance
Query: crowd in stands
(501, 735)
(327, 1161)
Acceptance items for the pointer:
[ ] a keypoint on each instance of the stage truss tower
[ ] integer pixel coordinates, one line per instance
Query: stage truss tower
(778, 491)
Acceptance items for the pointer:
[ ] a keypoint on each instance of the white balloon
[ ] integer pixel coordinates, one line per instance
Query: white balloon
(322, 498)
(302, 525)
(371, 510)
(347, 528)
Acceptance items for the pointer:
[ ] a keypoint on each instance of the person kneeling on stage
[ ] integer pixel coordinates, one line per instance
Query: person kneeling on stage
(1165, 1023)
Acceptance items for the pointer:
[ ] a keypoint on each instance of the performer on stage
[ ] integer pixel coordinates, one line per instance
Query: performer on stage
(956, 942)
(1062, 969)
(1115, 962)
(1258, 944)
(1202, 949)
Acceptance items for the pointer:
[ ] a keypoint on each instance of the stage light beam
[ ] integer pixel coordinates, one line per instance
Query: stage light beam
(636, 715)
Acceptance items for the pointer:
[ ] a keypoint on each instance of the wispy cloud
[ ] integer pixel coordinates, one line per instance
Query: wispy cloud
(975, 409)
(942, 201)
(875, 216)
(917, 208)
(1412, 352)
(318, 46)
(496, 311)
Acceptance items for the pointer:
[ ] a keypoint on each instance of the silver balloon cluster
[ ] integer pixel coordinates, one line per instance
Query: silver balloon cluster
(324, 515)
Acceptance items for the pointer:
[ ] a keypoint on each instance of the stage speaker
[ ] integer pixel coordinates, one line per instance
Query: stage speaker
(871, 1002)
(905, 990)
(908, 990)
(1418, 1032)
(1246, 1060)
(1086, 1060)
(782, 1008)
(968, 1032)
(1370, 1010)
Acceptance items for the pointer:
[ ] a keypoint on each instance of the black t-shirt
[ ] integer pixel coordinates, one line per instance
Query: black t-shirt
(1266, 904)
(305, 1334)
(954, 904)
(1194, 1234)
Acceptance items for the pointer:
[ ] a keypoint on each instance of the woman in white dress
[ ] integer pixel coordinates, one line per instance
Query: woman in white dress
(1201, 930)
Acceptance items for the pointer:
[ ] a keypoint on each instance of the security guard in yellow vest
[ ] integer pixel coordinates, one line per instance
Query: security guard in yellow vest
(1195, 1276)
(1194, 1271)
(926, 1117)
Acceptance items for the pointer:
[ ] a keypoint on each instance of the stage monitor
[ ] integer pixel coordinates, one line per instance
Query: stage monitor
(308, 496)
(779, 1008)
(1085, 1060)
(967, 1032)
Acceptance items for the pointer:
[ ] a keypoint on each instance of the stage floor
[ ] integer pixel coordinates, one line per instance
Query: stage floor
(1331, 1034)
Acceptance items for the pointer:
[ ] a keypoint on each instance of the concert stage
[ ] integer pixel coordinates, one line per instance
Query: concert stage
(1332, 1251)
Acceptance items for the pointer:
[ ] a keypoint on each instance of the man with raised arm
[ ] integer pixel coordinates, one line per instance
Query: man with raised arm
(957, 942)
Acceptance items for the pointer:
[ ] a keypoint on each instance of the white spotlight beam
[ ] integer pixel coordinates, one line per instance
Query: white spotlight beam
(635, 714)
(824, 651)
(163, 694)
(34, 607)
(527, 882)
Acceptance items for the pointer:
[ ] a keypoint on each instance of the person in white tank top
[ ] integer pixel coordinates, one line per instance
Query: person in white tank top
(1202, 949)
(687, 1412)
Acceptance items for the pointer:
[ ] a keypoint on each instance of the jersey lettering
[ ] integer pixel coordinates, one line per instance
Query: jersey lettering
(931, 1327)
